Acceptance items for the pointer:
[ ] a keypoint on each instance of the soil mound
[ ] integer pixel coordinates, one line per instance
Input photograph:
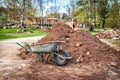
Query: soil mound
(98, 60)
(82, 46)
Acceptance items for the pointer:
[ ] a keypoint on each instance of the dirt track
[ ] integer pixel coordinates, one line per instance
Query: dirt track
(8, 54)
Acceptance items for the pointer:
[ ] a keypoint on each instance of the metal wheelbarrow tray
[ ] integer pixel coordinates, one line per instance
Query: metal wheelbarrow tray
(61, 57)
(46, 47)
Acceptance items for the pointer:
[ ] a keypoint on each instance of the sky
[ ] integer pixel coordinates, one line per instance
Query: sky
(60, 3)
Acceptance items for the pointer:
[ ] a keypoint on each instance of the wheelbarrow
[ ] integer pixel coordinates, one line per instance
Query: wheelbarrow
(61, 57)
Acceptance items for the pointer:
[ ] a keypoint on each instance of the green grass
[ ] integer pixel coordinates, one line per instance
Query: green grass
(12, 33)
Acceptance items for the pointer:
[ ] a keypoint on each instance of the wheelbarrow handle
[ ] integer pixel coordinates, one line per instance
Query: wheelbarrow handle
(27, 49)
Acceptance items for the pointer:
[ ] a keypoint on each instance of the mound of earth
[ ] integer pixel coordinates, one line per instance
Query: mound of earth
(82, 46)
(91, 59)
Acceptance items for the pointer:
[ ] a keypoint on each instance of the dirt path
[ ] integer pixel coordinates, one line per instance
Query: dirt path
(8, 58)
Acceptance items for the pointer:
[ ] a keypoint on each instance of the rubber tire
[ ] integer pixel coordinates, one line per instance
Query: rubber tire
(57, 58)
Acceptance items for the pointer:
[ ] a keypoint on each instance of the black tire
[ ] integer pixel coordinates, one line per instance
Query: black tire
(60, 61)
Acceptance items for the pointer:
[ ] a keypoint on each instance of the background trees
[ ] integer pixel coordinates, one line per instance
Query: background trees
(114, 15)
(103, 10)
(104, 13)
(17, 11)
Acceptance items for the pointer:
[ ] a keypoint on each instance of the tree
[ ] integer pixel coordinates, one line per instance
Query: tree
(64, 16)
(55, 8)
(13, 5)
(95, 10)
(71, 7)
(68, 9)
(54, 15)
(41, 8)
(23, 3)
(103, 10)
(3, 16)
(115, 14)
(83, 10)
(40, 5)
(48, 2)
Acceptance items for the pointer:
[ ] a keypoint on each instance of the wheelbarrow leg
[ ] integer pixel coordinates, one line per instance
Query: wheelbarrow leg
(48, 57)
(42, 57)
(36, 57)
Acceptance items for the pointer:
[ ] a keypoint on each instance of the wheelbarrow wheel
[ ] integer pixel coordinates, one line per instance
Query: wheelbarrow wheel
(60, 61)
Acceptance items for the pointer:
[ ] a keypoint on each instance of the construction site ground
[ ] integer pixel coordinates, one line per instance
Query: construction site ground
(12, 67)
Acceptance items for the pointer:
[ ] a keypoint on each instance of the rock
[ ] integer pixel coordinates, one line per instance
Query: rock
(67, 39)
(71, 31)
(79, 59)
(88, 53)
(78, 44)
(113, 64)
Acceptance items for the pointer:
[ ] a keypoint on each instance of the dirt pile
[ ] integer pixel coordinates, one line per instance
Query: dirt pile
(25, 54)
(82, 46)
(107, 34)
(97, 60)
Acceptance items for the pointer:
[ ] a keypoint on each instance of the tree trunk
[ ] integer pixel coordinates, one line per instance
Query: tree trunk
(22, 23)
(103, 23)
(22, 16)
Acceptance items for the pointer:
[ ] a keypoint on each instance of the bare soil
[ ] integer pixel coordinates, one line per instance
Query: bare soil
(109, 42)
(91, 59)
(9, 61)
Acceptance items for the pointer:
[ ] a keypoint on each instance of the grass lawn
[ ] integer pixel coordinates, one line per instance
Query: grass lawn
(12, 33)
